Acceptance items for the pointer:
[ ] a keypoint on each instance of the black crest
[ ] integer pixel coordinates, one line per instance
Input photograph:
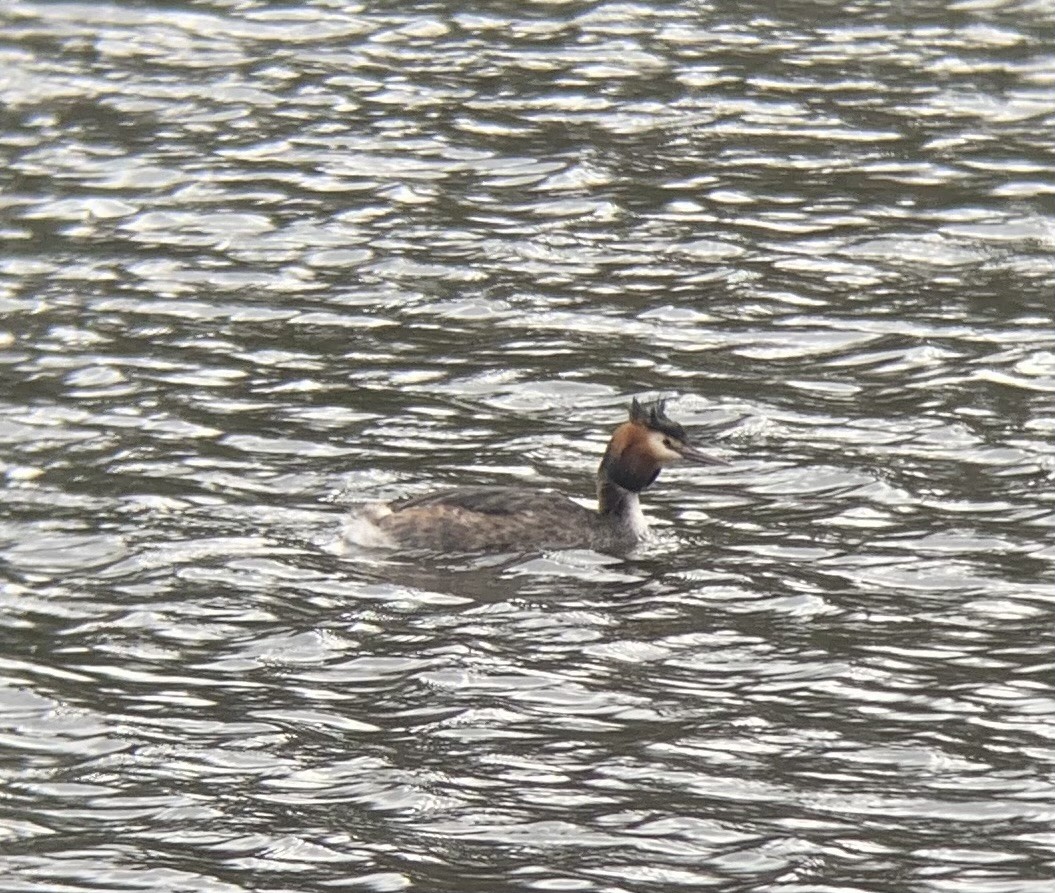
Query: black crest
(652, 414)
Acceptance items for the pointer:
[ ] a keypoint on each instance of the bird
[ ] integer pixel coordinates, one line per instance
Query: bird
(515, 519)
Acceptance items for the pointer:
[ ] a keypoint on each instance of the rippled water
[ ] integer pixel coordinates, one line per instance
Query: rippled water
(263, 261)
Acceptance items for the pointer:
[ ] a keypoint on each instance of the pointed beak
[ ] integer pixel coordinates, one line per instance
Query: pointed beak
(697, 457)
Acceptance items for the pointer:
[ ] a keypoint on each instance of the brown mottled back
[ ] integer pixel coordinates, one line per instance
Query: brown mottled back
(477, 519)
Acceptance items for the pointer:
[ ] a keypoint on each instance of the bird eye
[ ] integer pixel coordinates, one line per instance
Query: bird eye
(668, 443)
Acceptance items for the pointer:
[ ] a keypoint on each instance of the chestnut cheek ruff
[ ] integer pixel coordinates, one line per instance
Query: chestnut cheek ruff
(632, 470)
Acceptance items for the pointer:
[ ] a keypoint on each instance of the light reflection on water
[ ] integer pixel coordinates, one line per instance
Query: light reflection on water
(262, 262)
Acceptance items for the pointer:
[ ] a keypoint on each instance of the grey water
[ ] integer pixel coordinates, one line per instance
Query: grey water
(264, 262)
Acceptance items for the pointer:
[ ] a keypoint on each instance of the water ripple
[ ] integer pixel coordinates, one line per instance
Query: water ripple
(264, 263)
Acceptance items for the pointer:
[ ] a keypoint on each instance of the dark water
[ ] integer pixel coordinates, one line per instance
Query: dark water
(264, 261)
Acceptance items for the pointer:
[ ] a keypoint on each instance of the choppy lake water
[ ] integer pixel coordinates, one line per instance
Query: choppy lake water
(262, 262)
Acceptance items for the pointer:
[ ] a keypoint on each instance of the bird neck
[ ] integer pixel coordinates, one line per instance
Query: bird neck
(620, 508)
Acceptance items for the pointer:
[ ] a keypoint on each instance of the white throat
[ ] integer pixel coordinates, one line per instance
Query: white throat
(621, 508)
(634, 519)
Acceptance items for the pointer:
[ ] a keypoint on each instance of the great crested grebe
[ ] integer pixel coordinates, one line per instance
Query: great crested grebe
(495, 519)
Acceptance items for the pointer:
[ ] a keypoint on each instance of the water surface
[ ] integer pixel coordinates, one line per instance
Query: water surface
(263, 262)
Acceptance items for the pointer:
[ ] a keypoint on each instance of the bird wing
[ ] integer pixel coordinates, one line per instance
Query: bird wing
(489, 518)
(489, 500)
